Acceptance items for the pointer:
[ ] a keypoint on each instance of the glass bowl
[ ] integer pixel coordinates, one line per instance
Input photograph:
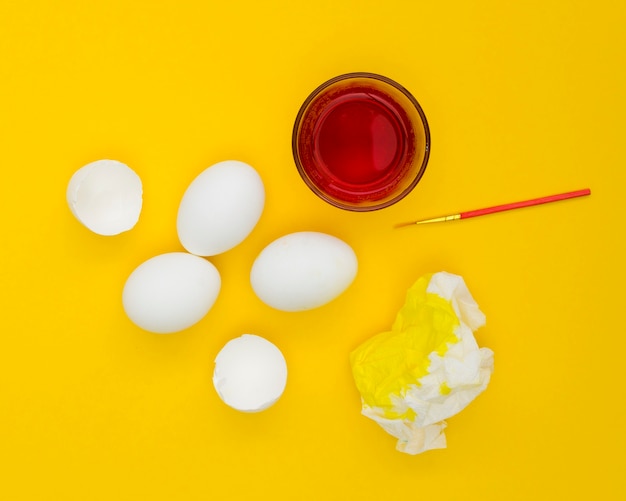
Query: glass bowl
(361, 142)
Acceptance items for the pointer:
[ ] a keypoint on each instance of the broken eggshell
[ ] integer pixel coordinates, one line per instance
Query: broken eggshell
(105, 196)
(250, 373)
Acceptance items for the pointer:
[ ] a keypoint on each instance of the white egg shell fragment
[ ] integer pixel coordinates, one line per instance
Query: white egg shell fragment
(303, 270)
(105, 196)
(170, 292)
(250, 373)
(220, 208)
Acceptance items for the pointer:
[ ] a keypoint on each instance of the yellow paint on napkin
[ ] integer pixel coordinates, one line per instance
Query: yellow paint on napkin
(385, 365)
(428, 367)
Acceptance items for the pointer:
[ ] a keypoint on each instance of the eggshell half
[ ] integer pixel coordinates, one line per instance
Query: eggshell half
(105, 196)
(250, 373)
(170, 292)
(303, 270)
(220, 208)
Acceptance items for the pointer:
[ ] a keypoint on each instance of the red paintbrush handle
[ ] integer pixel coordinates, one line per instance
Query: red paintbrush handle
(526, 203)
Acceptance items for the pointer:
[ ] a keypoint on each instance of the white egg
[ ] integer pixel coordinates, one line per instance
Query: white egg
(250, 373)
(105, 196)
(220, 208)
(303, 270)
(170, 292)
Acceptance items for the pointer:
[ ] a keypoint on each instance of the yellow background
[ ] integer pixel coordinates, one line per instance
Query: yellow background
(524, 99)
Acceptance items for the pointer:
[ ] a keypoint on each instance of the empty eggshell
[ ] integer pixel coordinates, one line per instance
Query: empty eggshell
(303, 270)
(250, 373)
(220, 208)
(170, 292)
(105, 196)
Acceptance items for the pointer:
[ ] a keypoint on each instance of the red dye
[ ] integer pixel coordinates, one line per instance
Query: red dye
(361, 141)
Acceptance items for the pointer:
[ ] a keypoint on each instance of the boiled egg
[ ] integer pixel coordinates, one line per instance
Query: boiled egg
(170, 292)
(303, 270)
(220, 208)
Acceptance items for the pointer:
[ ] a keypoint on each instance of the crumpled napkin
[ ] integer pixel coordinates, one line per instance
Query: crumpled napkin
(428, 367)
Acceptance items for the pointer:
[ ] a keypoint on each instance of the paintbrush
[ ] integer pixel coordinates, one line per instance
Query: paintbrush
(499, 208)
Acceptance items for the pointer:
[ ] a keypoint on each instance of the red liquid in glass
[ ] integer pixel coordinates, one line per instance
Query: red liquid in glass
(361, 142)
